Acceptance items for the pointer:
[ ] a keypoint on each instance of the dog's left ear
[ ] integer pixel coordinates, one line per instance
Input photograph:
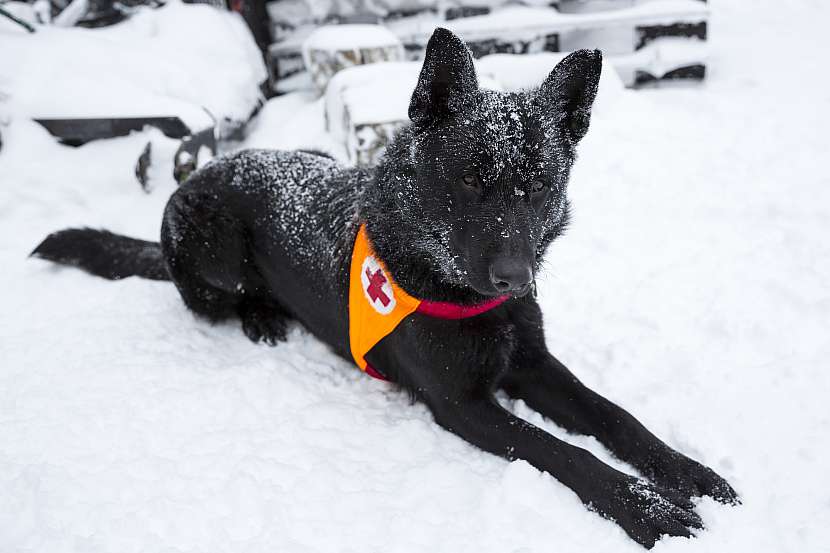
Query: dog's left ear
(447, 79)
(570, 90)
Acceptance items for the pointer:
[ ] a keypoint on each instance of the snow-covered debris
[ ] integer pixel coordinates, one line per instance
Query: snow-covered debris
(619, 29)
(519, 21)
(298, 12)
(657, 58)
(21, 17)
(159, 62)
(331, 48)
(660, 56)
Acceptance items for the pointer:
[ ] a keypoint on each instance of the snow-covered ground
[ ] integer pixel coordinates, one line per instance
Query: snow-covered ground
(692, 287)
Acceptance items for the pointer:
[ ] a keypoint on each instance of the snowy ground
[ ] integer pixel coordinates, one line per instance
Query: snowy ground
(692, 288)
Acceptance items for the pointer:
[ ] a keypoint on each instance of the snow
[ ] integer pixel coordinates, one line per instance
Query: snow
(578, 25)
(142, 67)
(660, 56)
(691, 287)
(298, 12)
(524, 71)
(386, 85)
(523, 19)
(350, 37)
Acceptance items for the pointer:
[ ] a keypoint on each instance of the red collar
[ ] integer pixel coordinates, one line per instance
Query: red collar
(446, 310)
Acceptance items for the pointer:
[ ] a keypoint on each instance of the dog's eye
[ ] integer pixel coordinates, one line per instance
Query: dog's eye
(470, 182)
(538, 186)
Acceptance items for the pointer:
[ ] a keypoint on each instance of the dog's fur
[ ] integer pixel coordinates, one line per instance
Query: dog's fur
(461, 208)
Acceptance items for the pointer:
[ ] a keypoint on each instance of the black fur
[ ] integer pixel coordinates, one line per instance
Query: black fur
(104, 254)
(462, 208)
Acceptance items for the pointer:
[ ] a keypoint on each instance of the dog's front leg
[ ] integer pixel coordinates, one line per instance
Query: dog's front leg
(644, 511)
(547, 386)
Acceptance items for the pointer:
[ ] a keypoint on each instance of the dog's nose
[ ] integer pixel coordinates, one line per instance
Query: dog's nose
(510, 274)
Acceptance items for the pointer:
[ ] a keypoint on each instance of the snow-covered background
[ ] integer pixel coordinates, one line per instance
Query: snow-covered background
(693, 288)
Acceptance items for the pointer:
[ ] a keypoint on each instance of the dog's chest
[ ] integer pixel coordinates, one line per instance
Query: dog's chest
(427, 353)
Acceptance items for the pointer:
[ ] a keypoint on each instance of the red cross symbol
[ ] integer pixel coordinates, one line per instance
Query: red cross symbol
(375, 288)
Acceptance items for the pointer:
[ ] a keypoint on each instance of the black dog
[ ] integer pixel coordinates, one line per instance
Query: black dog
(460, 210)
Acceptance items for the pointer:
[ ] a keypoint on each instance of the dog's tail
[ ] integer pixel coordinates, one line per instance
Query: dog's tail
(104, 254)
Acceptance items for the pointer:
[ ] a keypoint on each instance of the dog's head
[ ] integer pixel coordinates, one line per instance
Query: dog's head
(491, 169)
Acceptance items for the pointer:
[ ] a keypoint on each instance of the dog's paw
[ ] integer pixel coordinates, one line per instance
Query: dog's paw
(676, 471)
(263, 323)
(646, 512)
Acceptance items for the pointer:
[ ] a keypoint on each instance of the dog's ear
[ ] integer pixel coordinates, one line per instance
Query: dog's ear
(570, 90)
(447, 80)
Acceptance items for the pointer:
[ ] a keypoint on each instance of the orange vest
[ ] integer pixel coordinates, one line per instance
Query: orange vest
(377, 304)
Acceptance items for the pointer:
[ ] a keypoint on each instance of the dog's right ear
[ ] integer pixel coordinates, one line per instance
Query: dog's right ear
(447, 80)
